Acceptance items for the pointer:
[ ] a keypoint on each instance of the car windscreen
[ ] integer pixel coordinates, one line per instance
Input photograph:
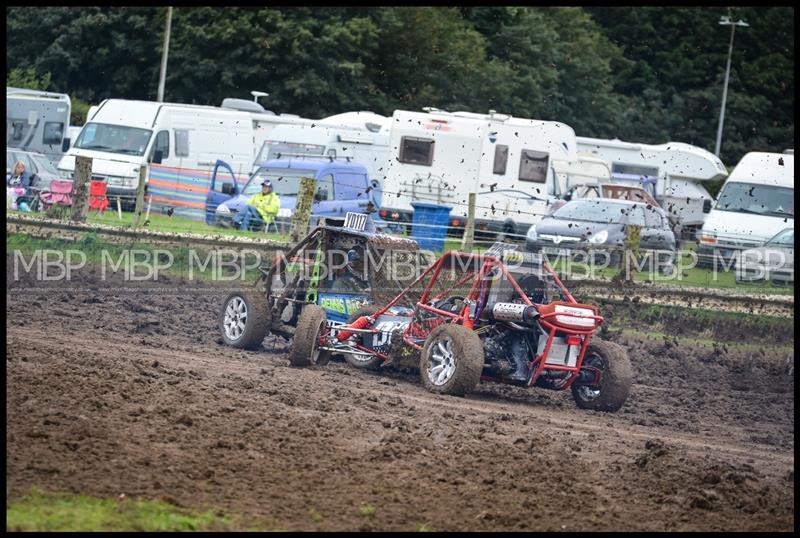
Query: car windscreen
(601, 211)
(783, 239)
(114, 139)
(284, 180)
(756, 199)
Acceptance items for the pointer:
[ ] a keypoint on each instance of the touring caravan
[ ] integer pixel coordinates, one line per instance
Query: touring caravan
(122, 136)
(672, 172)
(755, 203)
(511, 163)
(37, 121)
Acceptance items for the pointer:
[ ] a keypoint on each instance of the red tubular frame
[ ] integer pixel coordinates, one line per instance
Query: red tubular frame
(538, 363)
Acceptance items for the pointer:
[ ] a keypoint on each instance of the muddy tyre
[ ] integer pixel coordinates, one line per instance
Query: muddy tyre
(243, 320)
(451, 361)
(305, 349)
(617, 376)
(361, 362)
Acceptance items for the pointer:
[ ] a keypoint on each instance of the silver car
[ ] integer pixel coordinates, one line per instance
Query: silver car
(35, 163)
(772, 261)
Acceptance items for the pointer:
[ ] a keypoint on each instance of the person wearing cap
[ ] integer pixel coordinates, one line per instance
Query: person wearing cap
(261, 207)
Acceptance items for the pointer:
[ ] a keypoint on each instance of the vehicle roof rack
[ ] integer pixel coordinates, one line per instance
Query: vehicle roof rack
(280, 154)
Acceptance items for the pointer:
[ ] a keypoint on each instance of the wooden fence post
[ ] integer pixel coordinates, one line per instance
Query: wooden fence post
(631, 252)
(469, 230)
(137, 219)
(80, 189)
(302, 210)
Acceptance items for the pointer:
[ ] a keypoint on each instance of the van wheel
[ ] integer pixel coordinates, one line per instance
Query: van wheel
(509, 232)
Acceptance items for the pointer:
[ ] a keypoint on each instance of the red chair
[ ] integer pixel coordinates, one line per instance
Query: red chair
(59, 194)
(97, 196)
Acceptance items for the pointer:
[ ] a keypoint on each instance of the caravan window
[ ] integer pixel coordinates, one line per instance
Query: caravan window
(533, 166)
(53, 133)
(416, 150)
(632, 173)
(181, 142)
(162, 143)
(500, 159)
(16, 132)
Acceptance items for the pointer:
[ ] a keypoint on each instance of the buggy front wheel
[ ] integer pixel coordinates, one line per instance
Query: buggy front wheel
(451, 361)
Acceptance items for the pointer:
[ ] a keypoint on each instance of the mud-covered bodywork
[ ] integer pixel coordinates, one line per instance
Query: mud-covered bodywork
(321, 270)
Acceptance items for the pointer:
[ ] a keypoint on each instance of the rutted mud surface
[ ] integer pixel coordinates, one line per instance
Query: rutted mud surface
(134, 394)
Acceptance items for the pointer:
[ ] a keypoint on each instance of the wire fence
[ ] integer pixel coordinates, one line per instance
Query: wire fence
(178, 201)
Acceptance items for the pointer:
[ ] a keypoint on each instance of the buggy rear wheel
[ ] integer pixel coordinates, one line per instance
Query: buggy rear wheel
(616, 377)
(305, 349)
(243, 321)
(451, 361)
(359, 361)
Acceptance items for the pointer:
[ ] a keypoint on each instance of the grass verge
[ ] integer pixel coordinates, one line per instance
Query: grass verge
(194, 263)
(40, 511)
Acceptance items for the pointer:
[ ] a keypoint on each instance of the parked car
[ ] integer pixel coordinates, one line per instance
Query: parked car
(342, 187)
(600, 224)
(35, 163)
(774, 261)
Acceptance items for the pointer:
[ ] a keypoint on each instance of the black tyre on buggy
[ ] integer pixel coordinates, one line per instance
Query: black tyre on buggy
(616, 377)
(451, 361)
(305, 349)
(243, 319)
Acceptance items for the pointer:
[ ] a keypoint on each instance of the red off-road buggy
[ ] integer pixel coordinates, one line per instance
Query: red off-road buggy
(502, 316)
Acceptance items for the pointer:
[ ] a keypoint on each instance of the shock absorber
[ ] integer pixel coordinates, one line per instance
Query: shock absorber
(360, 323)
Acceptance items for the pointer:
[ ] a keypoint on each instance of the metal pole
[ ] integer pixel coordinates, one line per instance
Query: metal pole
(162, 77)
(724, 94)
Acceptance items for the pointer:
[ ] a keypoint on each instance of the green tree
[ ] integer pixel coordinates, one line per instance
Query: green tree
(26, 77)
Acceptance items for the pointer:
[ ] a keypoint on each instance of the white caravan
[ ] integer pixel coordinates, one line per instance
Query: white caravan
(675, 170)
(361, 137)
(511, 163)
(37, 121)
(121, 136)
(755, 203)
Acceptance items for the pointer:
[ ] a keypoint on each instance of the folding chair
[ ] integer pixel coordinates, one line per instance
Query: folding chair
(98, 201)
(60, 193)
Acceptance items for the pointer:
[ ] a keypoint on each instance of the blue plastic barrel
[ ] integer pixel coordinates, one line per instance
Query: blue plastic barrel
(429, 225)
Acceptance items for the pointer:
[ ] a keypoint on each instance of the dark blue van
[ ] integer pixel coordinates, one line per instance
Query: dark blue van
(341, 187)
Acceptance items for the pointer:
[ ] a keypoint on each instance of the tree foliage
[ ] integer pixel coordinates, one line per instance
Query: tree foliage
(648, 74)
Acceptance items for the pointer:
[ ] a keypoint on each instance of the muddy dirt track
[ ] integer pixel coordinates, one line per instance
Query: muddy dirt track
(133, 393)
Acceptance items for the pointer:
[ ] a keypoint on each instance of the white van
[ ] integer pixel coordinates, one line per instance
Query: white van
(755, 203)
(440, 157)
(121, 136)
(675, 169)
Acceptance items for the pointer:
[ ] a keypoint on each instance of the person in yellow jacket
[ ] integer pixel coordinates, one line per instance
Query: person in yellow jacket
(261, 207)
